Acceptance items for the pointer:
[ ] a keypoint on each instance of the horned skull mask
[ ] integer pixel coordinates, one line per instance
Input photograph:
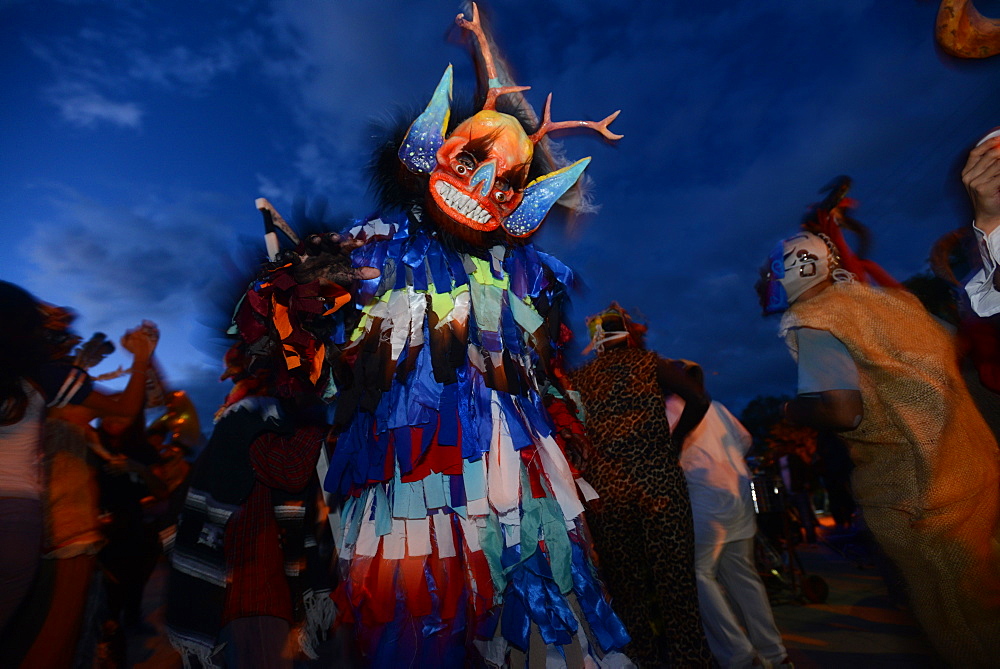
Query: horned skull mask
(477, 174)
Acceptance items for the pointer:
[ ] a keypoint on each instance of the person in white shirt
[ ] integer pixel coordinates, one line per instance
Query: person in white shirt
(718, 481)
(981, 177)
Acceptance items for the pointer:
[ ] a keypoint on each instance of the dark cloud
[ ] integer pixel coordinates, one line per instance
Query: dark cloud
(734, 115)
(151, 253)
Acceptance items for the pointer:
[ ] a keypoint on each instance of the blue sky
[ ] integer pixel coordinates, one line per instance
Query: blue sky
(136, 136)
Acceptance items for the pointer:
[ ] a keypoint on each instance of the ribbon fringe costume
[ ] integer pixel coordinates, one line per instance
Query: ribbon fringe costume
(459, 497)
(461, 523)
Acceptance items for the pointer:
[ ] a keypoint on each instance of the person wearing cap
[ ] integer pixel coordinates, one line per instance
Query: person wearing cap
(981, 177)
(876, 367)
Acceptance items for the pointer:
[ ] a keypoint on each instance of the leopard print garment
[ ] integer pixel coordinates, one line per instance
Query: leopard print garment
(642, 528)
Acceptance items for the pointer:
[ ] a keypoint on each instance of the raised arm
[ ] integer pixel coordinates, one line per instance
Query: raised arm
(981, 176)
(141, 342)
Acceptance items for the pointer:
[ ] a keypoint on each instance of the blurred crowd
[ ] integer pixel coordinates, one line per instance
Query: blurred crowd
(88, 491)
(892, 435)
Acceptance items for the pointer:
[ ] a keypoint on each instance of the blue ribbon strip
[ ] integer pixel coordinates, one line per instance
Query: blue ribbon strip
(605, 625)
(533, 596)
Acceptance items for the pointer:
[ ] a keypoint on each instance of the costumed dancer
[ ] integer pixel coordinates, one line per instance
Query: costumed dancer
(642, 529)
(462, 530)
(875, 366)
(247, 583)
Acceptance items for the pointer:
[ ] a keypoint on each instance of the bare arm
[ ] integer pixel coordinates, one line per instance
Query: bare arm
(836, 410)
(129, 402)
(696, 401)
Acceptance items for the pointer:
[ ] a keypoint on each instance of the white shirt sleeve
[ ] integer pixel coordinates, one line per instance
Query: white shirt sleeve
(984, 295)
(824, 363)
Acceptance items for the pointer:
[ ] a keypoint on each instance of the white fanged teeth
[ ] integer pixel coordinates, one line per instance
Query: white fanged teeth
(461, 203)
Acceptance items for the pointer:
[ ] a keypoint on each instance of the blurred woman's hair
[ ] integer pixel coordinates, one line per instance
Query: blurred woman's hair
(22, 349)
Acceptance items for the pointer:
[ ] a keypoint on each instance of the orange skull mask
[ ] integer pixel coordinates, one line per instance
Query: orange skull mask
(481, 171)
(477, 174)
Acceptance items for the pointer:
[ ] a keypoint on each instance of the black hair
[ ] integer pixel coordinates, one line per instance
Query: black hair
(22, 349)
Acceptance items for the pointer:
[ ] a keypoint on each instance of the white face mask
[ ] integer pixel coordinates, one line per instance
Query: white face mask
(601, 338)
(794, 266)
(807, 263)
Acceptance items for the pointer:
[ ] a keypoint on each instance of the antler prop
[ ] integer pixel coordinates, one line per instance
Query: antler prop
(495, 89)
(548, 126)
(963, 32)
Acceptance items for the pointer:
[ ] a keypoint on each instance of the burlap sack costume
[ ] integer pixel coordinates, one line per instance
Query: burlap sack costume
(926, 470)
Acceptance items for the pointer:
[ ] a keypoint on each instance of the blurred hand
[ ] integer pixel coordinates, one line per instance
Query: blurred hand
(141, 341)
(345, 275)
(981, 176)
(325, 258)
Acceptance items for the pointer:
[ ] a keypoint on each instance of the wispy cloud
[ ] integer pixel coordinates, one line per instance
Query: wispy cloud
(145, 256)
(191, 68)
(156, 257)
(95, 67)
(83, 106)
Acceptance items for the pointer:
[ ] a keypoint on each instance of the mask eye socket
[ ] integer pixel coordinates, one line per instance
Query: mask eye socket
(501, 191)
(465, 163)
